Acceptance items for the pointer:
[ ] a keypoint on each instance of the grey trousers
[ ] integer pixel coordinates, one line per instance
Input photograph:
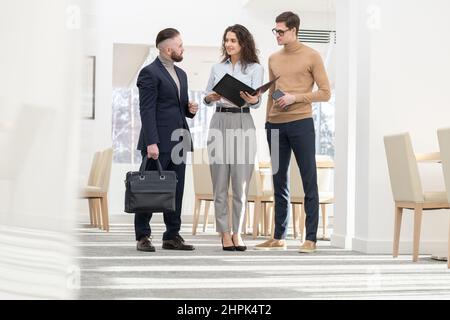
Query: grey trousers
(232, 151)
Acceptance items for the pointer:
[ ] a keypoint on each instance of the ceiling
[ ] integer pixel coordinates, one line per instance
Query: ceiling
(323, 6)
(127, 60)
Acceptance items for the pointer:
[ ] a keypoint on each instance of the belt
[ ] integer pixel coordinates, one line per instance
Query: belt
(233, 110)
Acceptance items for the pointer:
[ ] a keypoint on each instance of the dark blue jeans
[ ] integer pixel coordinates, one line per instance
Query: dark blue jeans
(172, 219)
(299, 137)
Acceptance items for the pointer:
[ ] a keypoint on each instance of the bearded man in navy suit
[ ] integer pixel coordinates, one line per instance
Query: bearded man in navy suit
(164, 107)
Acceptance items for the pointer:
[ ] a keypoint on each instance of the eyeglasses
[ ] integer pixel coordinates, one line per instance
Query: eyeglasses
(279, 31)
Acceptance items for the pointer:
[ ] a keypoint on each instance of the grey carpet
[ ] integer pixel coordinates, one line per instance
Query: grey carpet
(111, 268)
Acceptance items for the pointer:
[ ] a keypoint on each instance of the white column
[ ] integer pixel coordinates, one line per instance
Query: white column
(363, 124)
(346, 21)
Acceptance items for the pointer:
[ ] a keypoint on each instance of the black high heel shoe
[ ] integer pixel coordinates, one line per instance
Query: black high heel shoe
(239, 248)
(230, 248)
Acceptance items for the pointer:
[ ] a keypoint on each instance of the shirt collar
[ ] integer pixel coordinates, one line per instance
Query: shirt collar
(229, 61)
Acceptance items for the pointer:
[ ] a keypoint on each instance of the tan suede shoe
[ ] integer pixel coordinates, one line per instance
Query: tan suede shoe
(308, 247)
(272, 244)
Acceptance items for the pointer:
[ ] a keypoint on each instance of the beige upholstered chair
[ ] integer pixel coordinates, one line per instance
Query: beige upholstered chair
(325, 170)
(260, 194)
(97, 193)
(202, 186)
(94, 176)
(444, 146)
(407, 188)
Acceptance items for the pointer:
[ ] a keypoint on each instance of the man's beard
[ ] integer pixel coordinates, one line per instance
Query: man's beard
(175, 57)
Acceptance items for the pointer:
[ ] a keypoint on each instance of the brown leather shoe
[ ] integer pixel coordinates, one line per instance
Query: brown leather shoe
(177, 244)
(145, 244)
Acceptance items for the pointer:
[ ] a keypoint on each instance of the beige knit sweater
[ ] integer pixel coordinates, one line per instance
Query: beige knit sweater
(299, 67)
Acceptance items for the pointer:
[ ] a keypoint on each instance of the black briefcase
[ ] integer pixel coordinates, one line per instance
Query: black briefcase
(150, 191)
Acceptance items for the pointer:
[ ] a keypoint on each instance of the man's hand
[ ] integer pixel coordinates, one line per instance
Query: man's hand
(152, 151)
(193, 107)
(285, 101)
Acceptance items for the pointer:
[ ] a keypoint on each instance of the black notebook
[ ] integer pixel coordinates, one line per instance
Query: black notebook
(229, 88)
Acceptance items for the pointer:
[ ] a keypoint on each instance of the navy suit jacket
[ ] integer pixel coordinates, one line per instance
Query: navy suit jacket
(162, 111)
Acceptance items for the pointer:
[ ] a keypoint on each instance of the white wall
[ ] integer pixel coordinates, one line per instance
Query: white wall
(402, 49)
(138, 21)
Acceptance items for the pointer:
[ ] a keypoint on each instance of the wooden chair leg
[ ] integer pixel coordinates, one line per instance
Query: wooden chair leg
(196, 215)
(417, 227)
(244, 225)
(91, 212)
(105, 213)
(266, 218)
(270, 218)
(324, 221)
(98, 213)
(261, 219)
(205, 220)
(94, 212)
(294, 220)
(256, 218)
(272, 232)
(248, 213)
(302, 222)
(397, 228)
(448, 252)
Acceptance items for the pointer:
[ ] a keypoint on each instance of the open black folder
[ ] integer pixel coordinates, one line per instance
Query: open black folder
(229, 87)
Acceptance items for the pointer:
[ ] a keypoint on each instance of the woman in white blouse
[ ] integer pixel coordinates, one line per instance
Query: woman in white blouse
(232, 138)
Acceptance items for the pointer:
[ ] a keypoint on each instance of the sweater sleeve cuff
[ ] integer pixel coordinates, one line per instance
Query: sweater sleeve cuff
(299, 98)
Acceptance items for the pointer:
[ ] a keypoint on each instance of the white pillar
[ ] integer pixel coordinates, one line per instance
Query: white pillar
(346, 21)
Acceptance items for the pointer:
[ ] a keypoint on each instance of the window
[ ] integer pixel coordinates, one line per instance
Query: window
(126, 124)
(323, 114)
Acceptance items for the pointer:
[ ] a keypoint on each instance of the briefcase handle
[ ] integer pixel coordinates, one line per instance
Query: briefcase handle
(144, 165)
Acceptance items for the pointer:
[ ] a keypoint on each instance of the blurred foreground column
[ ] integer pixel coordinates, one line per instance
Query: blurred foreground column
(39, 111)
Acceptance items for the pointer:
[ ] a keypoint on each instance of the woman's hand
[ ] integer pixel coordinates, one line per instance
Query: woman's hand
(249, 98)
(213, 97)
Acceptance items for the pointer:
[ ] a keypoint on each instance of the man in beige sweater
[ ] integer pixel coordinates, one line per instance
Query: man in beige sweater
(290, 116)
